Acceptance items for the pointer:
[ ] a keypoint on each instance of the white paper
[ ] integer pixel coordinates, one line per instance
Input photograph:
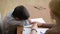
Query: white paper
(40, 20)
(42, 30)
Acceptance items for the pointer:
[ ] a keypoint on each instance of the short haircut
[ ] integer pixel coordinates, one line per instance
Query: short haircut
(21, 12)
(54, 6)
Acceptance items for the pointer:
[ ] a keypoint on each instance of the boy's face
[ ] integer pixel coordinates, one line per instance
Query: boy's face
(16, 18)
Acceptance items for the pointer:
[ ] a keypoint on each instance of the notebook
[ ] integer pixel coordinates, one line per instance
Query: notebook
(41, 20)
(38, 20)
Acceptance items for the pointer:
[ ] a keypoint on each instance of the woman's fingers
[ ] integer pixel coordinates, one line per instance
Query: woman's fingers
(34, 25)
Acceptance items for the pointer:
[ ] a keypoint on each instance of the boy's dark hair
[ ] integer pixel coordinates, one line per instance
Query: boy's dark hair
(21, 13)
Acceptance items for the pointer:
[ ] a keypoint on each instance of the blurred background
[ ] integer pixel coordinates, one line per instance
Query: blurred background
(36, 8)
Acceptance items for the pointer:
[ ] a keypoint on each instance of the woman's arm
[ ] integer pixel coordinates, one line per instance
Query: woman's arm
(46, 25)
(34, 28)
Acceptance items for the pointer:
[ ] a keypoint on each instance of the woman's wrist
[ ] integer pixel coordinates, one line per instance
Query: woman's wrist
(34, 30)
(34, 27)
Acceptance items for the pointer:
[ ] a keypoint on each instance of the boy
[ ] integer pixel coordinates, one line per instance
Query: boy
(18, 17)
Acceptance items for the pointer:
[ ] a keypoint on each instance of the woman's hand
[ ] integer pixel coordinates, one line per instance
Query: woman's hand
(34, 26)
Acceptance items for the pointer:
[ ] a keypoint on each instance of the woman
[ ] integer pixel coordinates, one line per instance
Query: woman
(54, 6)
(55, 13)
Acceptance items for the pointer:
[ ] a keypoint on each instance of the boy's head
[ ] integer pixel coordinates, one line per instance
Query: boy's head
(20, 13)
(54, 6)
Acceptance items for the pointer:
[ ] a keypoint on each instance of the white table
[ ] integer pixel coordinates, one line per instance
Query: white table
(39, 30)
